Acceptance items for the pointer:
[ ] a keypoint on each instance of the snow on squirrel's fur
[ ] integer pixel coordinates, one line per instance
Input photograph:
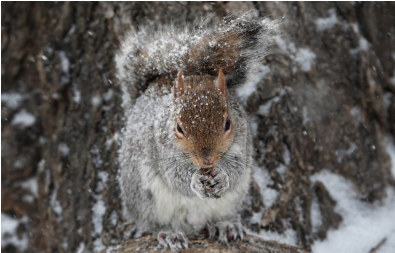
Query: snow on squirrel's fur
(236, 45)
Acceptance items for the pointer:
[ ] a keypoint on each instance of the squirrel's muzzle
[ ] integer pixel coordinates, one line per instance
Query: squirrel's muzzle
(208, 161)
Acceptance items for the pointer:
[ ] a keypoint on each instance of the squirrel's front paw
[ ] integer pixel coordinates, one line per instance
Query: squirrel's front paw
(209, 183)
(227, 231)
(175, 240)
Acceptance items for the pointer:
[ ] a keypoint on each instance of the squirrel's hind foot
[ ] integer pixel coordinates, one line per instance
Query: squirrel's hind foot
(175, 240)
(227, 231)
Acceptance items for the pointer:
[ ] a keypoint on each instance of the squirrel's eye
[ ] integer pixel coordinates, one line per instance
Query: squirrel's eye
(179, 129)
(227, 124)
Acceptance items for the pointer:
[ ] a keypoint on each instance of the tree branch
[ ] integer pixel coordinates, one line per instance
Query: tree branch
(201, 244)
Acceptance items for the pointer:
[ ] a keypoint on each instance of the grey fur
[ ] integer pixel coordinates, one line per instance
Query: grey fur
(158, 182)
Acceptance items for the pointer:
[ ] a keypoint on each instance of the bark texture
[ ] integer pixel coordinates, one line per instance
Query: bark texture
(61, 115)
(200, 244)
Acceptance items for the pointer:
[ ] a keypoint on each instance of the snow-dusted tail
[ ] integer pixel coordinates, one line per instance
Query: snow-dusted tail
(235, 45)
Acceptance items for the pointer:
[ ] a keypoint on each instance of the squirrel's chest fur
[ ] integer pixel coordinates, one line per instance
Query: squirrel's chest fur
(190, 214)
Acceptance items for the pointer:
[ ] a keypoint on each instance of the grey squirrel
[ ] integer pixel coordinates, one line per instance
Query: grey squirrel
(186, 152)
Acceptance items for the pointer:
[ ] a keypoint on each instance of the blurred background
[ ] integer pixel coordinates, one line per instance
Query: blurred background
(322, 111)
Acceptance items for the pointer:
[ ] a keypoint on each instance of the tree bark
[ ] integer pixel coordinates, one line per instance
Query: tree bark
(200, 244)
(61, 115)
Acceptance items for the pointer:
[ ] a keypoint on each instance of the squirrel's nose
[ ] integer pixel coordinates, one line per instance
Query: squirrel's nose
(208, 160)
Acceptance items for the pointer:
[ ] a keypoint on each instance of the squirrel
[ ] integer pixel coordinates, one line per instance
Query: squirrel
(186, 150)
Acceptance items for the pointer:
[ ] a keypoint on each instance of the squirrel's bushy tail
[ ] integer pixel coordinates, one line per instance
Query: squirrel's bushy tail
(235, 45)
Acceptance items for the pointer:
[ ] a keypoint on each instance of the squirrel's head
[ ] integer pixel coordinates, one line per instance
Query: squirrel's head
(203, 124)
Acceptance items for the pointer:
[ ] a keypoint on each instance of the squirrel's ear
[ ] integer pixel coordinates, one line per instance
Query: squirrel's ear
(222, 83)
(179, 85)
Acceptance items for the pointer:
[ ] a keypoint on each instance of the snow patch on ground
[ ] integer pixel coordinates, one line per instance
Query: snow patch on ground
(282, 168)
(12, 100)
(284, 47)
(388, 245)
(287, 155)
(96, 159)
(98, 211)
(23, 119)
(356, 113)
(341, 153)
(76, 94)
(98, 245)
(81, 248)
(114, 218)
(31, 185)
(9, 226)
(108, 95)
(65, 66)
(306, 117)
(96, 101)
(115, 248)
(262, 178)
(256, 218)
(112, 139)
(55, 205)
(288, 237)
(364, 225)
(363, 44)
(326, 23)
(64, 149)
(245, 91)
(265, 108)
(303, 58)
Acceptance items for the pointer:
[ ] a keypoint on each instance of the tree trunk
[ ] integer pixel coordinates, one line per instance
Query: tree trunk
(326, 103)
